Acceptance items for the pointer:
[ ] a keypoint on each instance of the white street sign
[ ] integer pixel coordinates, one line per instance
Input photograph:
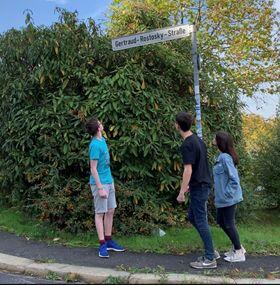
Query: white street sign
(152, 37)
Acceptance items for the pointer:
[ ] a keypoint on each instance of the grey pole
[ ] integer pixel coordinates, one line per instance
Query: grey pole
(196, 83)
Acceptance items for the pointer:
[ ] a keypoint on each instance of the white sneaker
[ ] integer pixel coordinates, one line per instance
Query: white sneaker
(230, 252)
(217, 255)
(237, 256)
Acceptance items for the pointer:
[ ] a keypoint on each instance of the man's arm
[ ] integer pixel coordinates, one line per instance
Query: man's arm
(185, 183)
(93, 168)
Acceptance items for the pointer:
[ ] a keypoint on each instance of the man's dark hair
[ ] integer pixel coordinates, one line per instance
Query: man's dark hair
(184, 120)
(92, 126)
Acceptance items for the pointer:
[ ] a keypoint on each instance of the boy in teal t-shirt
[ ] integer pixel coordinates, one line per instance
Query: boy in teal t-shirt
(102, 187)
(98, 150)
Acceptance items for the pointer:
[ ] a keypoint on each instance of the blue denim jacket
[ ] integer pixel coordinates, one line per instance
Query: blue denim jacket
(227, 187)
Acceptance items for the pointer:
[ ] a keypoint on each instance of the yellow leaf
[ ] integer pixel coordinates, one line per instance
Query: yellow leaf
(42, 78)
(115, 133)
(175, 166)
(143, 86)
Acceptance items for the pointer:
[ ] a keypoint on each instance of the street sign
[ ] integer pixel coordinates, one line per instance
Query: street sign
(152, 37)
(163, 35)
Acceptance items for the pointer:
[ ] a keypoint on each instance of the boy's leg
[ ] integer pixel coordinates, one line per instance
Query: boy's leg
(108, 219)
(100, 208)
(108, 222)
(99, 226)
(111, 205)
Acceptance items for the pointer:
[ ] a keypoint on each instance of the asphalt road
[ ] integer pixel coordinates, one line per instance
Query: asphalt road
(20, 246)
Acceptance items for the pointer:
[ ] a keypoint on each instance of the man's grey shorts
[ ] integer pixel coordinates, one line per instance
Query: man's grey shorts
(102, 205)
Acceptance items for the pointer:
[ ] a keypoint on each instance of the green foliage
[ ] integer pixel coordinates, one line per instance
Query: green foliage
(267, 166)
(239, 35)
(115, 280)
(51, 275)
(53, 78)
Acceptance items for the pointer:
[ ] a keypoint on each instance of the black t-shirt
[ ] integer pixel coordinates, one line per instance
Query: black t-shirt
(194, 152)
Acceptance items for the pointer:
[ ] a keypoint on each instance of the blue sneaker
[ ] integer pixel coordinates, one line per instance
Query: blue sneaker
(103, 250)
(111, 245)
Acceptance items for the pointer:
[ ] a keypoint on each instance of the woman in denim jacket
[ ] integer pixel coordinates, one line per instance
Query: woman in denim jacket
(228, 193)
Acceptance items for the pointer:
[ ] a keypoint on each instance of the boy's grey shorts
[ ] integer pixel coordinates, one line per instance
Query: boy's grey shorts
(102, 205)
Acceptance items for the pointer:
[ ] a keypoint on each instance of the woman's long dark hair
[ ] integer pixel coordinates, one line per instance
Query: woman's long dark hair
(225, 144)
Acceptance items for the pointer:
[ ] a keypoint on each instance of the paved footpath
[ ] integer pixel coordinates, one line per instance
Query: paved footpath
(87, 257)
(8, 278)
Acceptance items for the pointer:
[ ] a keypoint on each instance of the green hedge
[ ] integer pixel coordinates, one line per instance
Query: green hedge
(53, 78)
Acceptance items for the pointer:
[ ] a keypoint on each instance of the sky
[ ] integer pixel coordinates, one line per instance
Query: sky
(12, 16)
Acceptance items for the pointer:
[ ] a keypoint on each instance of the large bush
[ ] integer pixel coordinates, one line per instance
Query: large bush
(53, 78)
(267, 165)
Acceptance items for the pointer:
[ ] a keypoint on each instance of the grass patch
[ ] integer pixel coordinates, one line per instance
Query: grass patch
(53, 276)
(115, 280)
(236, 273)
(260, 236)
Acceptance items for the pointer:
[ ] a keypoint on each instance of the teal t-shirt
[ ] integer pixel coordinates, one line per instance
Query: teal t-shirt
(98, 150)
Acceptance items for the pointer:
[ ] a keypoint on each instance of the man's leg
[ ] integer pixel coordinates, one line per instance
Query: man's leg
(190, 214)
(199, 207)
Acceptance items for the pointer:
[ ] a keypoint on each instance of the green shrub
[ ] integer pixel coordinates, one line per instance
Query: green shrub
(267, 166)
(53, 78)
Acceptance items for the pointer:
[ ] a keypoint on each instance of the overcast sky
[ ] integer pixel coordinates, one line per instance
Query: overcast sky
(12, 15)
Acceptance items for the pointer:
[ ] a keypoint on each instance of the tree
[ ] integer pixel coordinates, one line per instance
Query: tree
(241, 36)
(267, 163)
(256, 130)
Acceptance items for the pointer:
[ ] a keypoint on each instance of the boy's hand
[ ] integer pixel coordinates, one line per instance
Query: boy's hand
(102, 193)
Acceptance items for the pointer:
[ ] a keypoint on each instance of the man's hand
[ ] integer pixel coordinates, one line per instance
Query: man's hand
(102, 193)
(181, 196)
(185, 190)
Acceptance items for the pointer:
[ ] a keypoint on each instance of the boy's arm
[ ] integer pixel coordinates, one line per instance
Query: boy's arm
(93, 169)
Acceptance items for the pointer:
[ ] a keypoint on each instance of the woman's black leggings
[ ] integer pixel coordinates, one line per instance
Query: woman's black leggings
(226, 220)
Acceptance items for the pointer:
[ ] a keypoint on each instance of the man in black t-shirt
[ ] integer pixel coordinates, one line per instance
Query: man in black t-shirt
(196, 181)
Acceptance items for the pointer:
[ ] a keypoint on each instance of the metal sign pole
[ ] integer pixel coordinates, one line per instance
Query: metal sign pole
(196, 83)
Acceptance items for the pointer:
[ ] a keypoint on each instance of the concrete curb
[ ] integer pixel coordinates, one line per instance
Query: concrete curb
(95, 275)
